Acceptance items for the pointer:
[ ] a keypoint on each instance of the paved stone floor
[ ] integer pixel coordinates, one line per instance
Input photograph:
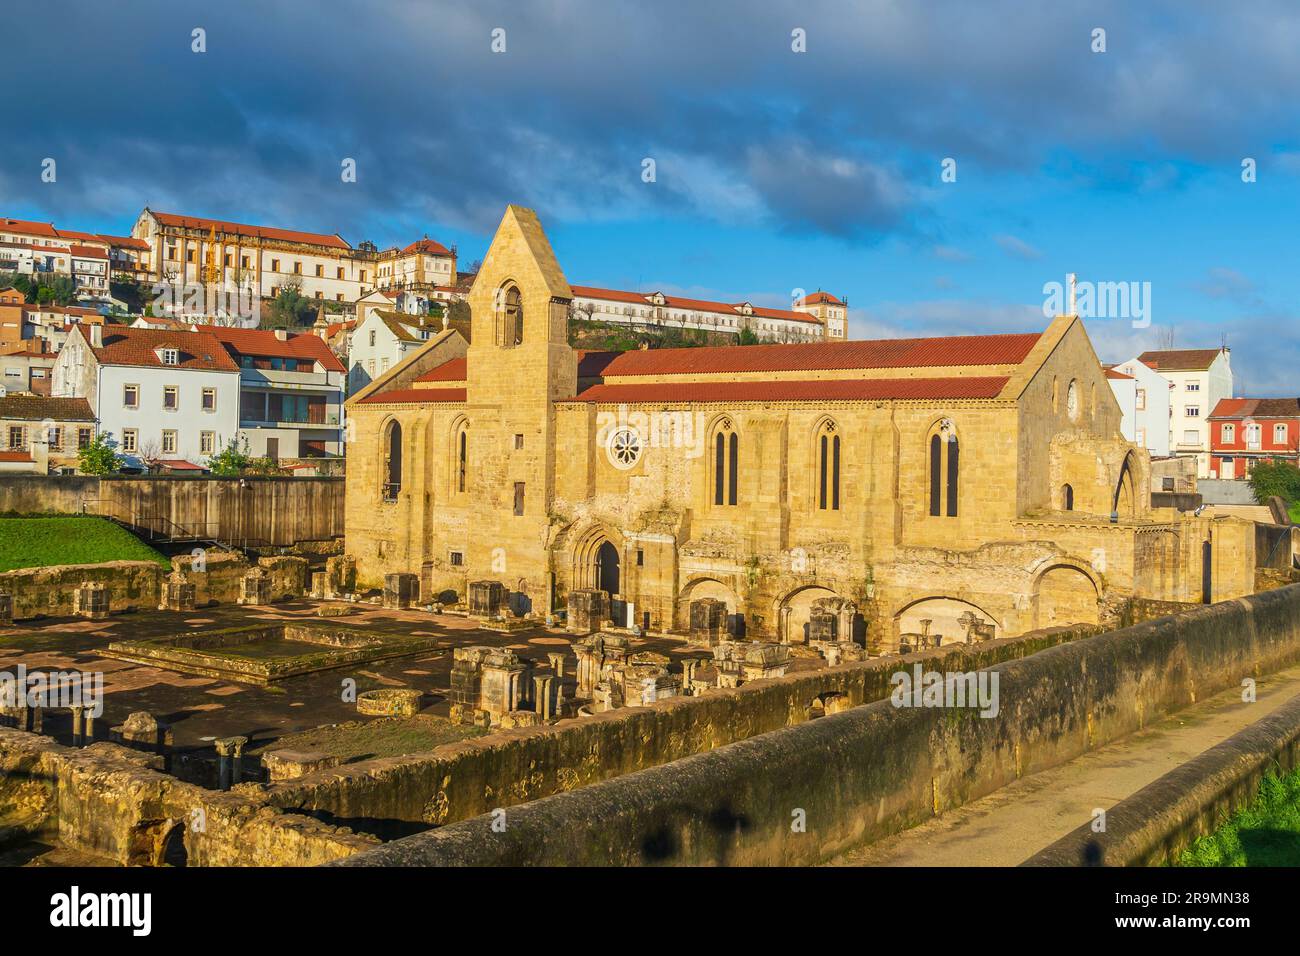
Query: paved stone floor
(201, 709)
(1012, 824)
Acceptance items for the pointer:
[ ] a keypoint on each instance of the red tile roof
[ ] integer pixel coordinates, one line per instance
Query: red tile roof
(1257, 408)
(88, 252)
(414, 396)
(814, 356)
(450, 371)
(124, 345)
(858, 389)
(428, 247)
(38, 408)
(129, 242)
(592, 363)
(819, 296)
(180, 464)
(264, 343)
(15, 456)
(1180, 360)
(1111, 373)
(72, 234)
(29, 228)
(256, 232)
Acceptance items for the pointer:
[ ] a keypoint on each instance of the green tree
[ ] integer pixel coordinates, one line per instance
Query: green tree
(290, 309)
(99, 457)
(231, 461)
(1279, 478)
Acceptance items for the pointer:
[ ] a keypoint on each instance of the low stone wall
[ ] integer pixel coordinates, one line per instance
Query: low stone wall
(106, 800)
(873, 770)
(461, 780)
(1155, 824)
(49, 592)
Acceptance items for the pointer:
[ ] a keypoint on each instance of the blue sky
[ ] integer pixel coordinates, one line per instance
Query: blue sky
(775, 170)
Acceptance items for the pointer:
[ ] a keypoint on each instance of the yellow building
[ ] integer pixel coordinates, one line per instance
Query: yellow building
(958, 487)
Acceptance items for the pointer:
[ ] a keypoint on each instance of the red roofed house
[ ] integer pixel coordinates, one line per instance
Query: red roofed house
(1198, 379)
(654, 310)
(895, 493)
(163, 395)
(1246, 431)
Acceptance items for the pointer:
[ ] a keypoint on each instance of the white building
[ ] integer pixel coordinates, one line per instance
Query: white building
(1143, 396)
(165, 396)
(1199, 379)
(381, 340)
(265, 259)
(656, 310)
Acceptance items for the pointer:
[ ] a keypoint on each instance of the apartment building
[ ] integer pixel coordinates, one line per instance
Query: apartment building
(1199, 379)
(291, 391)
(168, 398)
(1246, 431)
(1143, 396)
(382, 339)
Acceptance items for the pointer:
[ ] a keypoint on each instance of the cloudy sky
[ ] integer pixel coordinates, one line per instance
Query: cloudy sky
(774, 169)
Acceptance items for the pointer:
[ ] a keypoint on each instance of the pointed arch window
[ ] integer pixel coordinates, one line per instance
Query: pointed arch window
(726, 464)
(509, 316)
(392, 462)
(945, 469)
(460, 457)
(828, 467)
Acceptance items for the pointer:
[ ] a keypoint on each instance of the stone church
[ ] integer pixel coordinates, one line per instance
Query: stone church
(934, 489)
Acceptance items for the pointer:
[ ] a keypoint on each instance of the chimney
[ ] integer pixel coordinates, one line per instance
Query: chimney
(282, 335)
(41, 453)
(1073, 280)
(96, 335)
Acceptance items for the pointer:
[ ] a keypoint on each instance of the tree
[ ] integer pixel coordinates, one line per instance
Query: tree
(1279, 478)
(290, 309)
(234, 461)
(99, 458)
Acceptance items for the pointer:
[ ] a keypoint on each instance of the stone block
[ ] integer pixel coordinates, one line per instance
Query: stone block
(401, 590)
(486, 598)
(293, 764)
(255, 588)
(588, 610)
(91, 600)
(390, 702)
(708, 622)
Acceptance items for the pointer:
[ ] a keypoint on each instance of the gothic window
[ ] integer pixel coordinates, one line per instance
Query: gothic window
(509, 316)
(393, 462)
(944, 468)
(460, 456)
(726, 467)
(828, 467)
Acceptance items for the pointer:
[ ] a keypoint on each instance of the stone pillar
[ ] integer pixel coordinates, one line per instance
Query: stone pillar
(178, 593)
(486, 598)
(823, 621)
(91, 601)
(6, 608)
(588, 610)
(319, 587)
(557, 664)
(230, 754)
(77, 711)
(542, 696)
(466, 681)
(708, 622)
(401, 590)
(340, 576)
(689, 667)
(255, 587)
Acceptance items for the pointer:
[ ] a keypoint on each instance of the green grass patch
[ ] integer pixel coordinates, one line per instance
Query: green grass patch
(384, 737)
(1293, 510)
(41, 542)
(1264, 833)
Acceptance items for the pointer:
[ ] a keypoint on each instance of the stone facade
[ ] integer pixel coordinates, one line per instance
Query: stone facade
(983, 486)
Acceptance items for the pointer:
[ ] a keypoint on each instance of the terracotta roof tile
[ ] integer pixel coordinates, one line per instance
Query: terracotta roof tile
(819, 297)
(15, 456)
(29, 228)
(880, 353)
(240, 229)
(127, 346)
(39, 408)
(1112, 373)
(414, 396)
(880, 389)
(265, 344)
(129, 242)
(1257, 408)
(1180, 360)
(428, 247)
(450, 371)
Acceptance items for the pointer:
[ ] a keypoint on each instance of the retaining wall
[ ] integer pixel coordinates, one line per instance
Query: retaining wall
(864, 773)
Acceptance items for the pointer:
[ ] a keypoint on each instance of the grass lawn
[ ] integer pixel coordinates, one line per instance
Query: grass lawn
(1265, 833)
(1293, 510)
(385, 737)
(37, 542)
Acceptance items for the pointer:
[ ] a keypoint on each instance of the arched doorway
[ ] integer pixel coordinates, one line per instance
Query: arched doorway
(607, 568)
(941, 621)
(702, 588)
(1124, 504)
(1065, 595)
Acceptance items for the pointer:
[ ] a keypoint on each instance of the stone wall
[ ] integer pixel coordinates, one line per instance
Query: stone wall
(460, 780)
(49, 592)
(106, 800)
(260, 511)
(861, 774)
